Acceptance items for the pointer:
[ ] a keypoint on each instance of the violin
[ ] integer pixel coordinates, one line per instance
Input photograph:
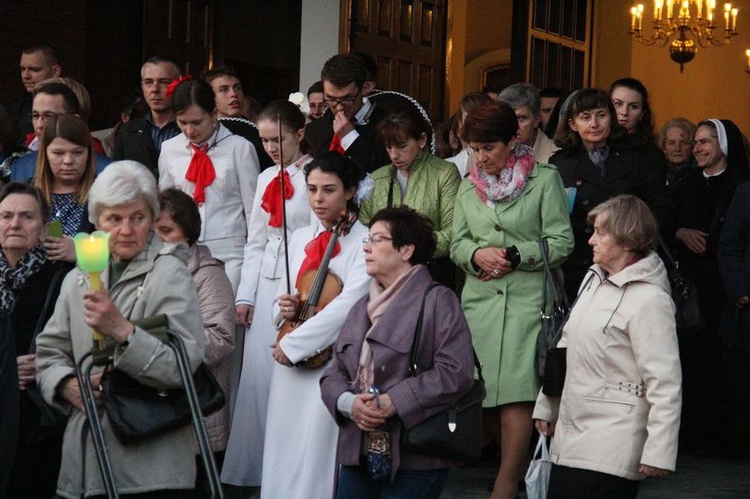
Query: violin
(317, 288)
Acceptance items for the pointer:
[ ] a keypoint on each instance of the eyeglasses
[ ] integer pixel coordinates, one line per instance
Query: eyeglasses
(162, 82)
(343, 101)
(376, 239)
(46, 116)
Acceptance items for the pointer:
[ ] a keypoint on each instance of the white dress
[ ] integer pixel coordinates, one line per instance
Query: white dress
(261, 273)
(229, 199)
(299, 459)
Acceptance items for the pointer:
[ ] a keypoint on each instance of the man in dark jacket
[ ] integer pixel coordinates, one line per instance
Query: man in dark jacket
(350, 124)
(141, 138)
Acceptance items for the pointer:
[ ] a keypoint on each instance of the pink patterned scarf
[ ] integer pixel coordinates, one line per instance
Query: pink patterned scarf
(509, 184)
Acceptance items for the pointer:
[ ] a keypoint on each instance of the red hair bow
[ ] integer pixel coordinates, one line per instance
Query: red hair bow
(173, 86)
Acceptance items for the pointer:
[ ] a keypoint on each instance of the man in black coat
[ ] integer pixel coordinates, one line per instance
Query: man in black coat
(350, 124)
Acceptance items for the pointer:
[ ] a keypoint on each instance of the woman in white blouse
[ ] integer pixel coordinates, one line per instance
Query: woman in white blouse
(220, 170)
(261, 273)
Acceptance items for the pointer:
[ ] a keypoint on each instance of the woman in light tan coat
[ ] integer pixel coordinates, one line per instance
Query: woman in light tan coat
(619, 415)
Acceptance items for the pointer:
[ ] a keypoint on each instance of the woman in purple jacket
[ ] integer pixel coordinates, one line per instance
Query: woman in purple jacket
(373, 352)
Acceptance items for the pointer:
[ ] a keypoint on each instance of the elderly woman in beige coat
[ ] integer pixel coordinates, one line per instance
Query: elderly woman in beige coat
(144, 278)
(619, 415)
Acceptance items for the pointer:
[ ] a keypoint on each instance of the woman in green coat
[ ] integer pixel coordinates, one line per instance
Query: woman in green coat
(505, 206)
(418, 179)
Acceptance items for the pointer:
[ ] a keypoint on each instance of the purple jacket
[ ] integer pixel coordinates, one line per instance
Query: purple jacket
(445, 345)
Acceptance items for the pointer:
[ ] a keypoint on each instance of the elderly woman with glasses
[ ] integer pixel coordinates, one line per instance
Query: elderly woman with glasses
(379, 332)
(144, 278)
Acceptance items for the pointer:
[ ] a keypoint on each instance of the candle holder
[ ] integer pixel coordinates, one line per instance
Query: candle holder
(92, 255)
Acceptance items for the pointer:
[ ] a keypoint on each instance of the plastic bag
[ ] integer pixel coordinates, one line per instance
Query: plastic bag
(537, 477)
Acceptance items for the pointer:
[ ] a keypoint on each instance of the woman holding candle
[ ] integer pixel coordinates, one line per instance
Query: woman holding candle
(29, 286)
(144, 278)
(65, 170)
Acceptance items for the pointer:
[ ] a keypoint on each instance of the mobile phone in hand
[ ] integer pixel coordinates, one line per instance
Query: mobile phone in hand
(54, 229)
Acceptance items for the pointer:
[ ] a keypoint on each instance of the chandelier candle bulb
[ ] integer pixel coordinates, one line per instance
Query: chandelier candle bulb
(727, 9)
(747, 54)
(734, 20)
(699, 4)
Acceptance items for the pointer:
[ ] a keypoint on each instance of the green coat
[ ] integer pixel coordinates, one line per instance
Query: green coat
(431, 191)
(504, 313)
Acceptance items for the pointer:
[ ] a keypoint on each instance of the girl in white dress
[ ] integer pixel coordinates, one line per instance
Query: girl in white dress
(261, 273)
(300, 446)
(219, 169)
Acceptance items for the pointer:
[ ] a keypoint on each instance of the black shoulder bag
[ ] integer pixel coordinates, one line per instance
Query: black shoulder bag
(454, 432)
(551, 361)
(136, 411)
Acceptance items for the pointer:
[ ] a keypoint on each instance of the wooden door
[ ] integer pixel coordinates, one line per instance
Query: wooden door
(181, 30)
(407, 39)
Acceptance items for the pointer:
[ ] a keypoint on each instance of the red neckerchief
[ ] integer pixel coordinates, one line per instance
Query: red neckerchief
(200, 171)
(314, 252)
(336, 145)
(271, 201)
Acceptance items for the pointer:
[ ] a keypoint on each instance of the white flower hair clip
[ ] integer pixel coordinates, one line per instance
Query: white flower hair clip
(300, 100)
(364, 189)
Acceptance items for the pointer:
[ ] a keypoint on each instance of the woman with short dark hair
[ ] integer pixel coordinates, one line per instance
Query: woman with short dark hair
(599, 160)
(418, 179)
(504, 208)
(399, 244)
(180, 222)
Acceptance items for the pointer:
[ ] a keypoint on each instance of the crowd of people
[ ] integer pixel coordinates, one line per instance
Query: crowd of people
(294, 249)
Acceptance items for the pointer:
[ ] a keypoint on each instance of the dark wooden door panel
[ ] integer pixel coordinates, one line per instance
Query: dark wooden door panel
(181, 30)
(406, 38)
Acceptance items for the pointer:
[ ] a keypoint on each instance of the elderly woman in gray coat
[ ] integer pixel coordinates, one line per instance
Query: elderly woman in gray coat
(145, 278)
(373, 350)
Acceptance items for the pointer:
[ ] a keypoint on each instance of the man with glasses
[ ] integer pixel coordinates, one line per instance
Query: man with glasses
(350, 124)
(50, 99)
(141, 139)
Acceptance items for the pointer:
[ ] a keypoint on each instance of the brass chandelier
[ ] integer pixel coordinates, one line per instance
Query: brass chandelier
(688, 24)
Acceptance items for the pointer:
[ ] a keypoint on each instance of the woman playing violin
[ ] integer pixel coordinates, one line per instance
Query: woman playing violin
(300, 434)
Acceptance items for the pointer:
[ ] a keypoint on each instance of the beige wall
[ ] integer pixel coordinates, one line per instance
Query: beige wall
(488, 26)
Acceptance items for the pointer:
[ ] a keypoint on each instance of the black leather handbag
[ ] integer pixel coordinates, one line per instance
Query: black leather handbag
(136, 411)
(454, 432)
(554, 313)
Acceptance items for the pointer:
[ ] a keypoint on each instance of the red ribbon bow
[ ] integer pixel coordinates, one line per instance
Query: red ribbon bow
(173, 86)
(314, 252)
(271, 200)
(201, 172)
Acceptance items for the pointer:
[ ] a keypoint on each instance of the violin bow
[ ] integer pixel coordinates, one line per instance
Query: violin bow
(283, 208)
